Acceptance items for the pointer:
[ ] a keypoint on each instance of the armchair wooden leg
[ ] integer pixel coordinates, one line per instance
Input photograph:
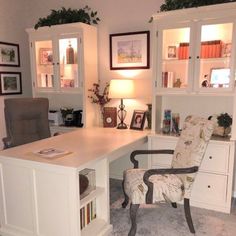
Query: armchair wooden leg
(133, 214)
(174, 204)
(188, 215)
(126, 201)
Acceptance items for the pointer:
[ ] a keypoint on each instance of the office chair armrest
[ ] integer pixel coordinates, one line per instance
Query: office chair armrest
(150, 172)
(139, 152)
(7, 142)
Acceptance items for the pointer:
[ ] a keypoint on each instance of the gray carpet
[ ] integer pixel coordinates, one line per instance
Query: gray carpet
(163, 220)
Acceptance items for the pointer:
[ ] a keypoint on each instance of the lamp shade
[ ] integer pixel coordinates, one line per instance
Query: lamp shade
(121, 88)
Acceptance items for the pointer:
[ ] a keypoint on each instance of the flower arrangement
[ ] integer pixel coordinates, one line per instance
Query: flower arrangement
(100, 98)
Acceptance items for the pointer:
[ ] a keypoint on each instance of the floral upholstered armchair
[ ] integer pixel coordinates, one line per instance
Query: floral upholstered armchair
(174, 184)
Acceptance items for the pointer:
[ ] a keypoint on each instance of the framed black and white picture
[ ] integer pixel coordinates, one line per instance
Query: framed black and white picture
(10, 83)
(129, 50)
(9, 54)
(138, 120)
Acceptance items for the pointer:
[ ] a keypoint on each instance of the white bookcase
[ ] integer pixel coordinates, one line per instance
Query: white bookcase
(194, 73)
(64, 66)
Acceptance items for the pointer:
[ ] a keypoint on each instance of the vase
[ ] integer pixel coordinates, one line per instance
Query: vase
(149, 116)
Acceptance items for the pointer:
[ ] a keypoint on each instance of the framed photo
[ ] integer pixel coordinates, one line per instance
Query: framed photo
(10, 83)
(219, 77)
(138, 120)
(226, 49)
(171, 52)
(130, 50)
(9, 54)
(45, 56)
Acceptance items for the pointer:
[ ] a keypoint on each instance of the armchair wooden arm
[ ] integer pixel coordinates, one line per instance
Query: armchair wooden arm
(140, 152)
(150, 172)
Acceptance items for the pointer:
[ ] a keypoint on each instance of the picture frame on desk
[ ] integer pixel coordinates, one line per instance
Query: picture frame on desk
(10, 83)
(130, 50)
(138, 120)
(9, 54)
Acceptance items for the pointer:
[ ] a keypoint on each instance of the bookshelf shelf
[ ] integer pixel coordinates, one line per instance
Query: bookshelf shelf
(91, 196)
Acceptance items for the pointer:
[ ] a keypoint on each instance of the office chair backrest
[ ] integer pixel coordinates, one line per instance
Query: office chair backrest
(26, 120)
(191, 147)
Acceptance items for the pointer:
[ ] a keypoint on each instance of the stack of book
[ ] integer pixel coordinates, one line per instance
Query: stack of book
(211, 49)
(87, 214)
(167, 79)
(183, 52)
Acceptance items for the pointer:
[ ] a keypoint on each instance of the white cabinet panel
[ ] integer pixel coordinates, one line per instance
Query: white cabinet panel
(52, 191)
(17, 187)
(210, 188)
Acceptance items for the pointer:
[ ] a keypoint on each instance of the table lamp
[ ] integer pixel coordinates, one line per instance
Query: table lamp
(121, 88)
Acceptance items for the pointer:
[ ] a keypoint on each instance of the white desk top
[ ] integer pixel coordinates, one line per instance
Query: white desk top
(87, 145)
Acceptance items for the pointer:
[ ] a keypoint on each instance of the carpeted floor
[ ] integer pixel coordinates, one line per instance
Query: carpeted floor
(164, 220)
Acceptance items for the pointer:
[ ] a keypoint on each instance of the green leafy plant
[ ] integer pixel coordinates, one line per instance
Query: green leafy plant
(177, 4)
(65, 16)
(224, 120)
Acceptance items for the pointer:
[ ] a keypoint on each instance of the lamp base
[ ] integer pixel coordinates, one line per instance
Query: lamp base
(122, 126)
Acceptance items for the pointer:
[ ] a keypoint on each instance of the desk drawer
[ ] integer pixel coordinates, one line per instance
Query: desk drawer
(210, 188)
(216, 158)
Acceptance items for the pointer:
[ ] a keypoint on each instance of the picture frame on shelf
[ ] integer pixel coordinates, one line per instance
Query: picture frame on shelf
(219, 77)
(172, 52)
(130, 50)
(10, 83)
(45, 56)
(9, 54)
(138, 120)
(226, 49)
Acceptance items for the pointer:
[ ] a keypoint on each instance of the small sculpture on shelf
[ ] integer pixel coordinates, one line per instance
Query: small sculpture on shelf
(149, 116)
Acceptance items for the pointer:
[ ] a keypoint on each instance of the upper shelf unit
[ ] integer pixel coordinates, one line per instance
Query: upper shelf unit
(195, 50)
(62, 56)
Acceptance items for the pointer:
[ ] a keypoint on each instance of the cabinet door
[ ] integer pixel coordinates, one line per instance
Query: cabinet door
(214, 57)
(174, 64)
(44, 69)
(69, 60)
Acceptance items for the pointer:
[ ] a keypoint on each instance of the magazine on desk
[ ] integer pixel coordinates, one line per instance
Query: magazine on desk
(51, 153)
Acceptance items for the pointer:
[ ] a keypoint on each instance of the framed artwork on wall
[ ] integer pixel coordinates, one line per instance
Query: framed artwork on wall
(9, 54)
(130, 50)
(10, 83)
(138, 120)
(45, 56)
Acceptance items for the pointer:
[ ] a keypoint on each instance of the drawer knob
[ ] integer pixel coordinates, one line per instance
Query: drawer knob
(210, 157)
(209, 186)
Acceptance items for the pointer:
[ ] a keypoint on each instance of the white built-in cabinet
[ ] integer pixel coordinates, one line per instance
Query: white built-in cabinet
(213, 185)
(64, 66)
(194, 73)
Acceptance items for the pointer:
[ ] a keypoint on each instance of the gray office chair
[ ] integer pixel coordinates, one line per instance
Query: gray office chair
(26, 120)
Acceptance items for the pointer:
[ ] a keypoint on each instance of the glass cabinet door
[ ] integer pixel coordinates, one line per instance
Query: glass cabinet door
(44, 64)
(215, 54)
(68, 51)
(175, 58)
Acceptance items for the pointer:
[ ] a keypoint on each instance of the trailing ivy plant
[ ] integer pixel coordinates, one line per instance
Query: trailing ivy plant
(177, 4)
(65, 16)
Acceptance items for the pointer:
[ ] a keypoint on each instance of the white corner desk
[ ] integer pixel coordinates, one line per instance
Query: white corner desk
(40, 196)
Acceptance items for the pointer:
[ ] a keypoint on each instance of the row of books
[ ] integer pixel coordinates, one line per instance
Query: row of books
(209, 49)
(167, 79)
(87, 214)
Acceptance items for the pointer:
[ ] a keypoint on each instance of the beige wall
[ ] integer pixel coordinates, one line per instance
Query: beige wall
(13, 15)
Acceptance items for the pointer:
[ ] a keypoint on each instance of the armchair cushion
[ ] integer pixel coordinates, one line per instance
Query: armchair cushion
(167, 187)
